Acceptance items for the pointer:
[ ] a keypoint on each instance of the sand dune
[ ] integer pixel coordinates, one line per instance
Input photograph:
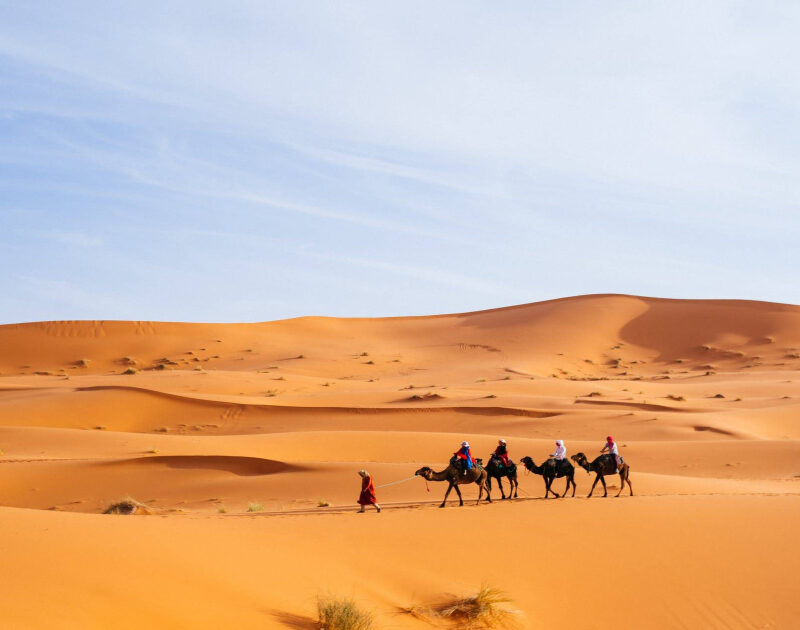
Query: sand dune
(203, 422)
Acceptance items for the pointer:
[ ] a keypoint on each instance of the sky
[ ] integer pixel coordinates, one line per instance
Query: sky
(257, 160)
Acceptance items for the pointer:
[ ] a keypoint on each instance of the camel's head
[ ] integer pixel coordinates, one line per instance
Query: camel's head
(424, 472)
(580, 459)
(527, 461)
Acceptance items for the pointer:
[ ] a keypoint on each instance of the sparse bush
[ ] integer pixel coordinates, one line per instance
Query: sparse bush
(487, 609)
(342, 614)
(323, 503)
(127, 505)
(255, 507)
(222, 509)
(130, 371)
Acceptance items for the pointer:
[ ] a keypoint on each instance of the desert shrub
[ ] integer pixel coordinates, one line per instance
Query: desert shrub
(127, 505)
(255, 507)
(486, 609)
(342, 614)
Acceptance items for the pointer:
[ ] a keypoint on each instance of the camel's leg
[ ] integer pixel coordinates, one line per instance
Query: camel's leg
(483, 484)
(555, 494)
(621, 481)
(489, 482)
(446, 494)
(516, 488)
(574, 487)
(566, 489)
(500, 485)
(596, 479)
(458, 492)
(628, 479)
(605, 489)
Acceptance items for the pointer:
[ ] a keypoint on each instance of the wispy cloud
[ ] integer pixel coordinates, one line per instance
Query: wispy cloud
(527, 152)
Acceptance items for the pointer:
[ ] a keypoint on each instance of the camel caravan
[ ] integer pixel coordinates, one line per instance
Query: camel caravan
(464, 469)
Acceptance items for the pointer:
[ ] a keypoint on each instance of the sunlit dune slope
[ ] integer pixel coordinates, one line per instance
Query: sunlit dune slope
(240, 443)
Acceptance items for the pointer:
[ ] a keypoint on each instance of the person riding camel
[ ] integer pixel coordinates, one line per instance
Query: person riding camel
(501, 452)
(561, 451)
(611, 447)
(464, 456)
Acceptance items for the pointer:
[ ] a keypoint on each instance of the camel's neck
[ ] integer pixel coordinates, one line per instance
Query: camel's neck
(584, 463)
(537, 470)
(442, 475)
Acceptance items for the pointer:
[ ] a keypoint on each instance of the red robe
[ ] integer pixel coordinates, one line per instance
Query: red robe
(367, 492)
(502, 455)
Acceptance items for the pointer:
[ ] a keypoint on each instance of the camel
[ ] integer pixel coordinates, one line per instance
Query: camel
(605, 465)
(454, 475)
(495, 470)
(551, 470)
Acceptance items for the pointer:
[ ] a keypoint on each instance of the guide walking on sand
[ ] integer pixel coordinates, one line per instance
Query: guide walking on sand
(367, 492)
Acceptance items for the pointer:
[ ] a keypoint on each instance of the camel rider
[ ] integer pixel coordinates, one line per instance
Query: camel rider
(501, 452)
(465, 457)
(611, 447)
(561, 451)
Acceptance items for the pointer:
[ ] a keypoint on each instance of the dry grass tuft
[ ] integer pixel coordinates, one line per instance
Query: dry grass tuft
(323, 503)
(486, 609)
(255, 507)
(342, 614)
(127, 505)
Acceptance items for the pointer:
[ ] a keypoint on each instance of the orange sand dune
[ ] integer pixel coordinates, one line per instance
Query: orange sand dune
(202, 422)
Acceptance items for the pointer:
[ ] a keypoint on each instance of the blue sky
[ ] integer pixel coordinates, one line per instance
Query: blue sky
(258, 160)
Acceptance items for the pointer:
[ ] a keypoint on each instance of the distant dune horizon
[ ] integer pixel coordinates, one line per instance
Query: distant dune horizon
(236, 445)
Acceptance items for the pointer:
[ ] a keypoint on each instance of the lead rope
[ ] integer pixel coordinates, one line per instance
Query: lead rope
(395, 482)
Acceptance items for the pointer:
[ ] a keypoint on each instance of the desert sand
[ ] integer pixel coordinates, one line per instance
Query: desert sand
(203, 423)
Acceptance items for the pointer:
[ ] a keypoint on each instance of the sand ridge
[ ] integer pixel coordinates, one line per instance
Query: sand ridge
(203, 422)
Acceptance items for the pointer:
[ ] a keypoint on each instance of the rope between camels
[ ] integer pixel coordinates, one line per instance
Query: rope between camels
(383, 485)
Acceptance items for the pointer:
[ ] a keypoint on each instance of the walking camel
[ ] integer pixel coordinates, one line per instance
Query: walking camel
(605, 465)
(551, 470)
(496, 470)
(456, 477)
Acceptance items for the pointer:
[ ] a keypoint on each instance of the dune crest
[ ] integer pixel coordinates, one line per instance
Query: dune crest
(239, 445)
